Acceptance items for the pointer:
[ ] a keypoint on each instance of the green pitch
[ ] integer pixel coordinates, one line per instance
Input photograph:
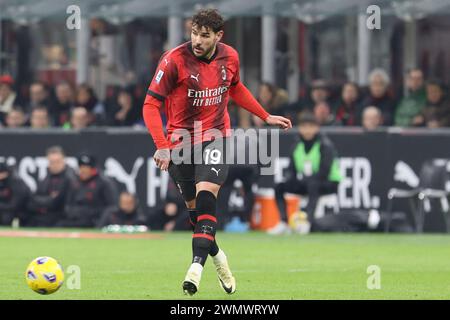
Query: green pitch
(317, 266)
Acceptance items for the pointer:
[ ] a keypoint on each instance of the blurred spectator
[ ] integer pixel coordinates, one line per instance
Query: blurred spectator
(172, 214)
(86, 98)
(89, 197)
(236, 197)
(14, 195)
(81, 109)
(127, 213)
(79, 119)
(46, 206)
(63, 104)
(409, 109)
(7, 96)
(313, 170)
(348, 109)
(271, 98)
(266, 96)
(15, 118)
(239, 117)
(171, 218)
(371, 118)
(379, 95)
(319, 92)
(187, 29)
(436, 113)
(436, 95)
(122, 111)
(322, 112)
(39, 96)
(39, 118)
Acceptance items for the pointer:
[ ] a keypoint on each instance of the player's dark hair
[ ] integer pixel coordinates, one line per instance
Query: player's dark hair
(208, 18)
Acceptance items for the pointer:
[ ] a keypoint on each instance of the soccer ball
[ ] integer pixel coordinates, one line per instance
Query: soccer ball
(298, 221)
(44, 275)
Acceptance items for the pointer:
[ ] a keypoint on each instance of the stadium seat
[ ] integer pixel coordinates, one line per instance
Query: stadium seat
(433, 181)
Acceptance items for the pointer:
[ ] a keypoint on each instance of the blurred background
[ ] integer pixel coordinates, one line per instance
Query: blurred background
(373, 90)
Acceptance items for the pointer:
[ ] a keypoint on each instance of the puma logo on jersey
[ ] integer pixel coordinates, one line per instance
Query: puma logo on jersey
(216, 171)
(195, 77)
(166, 61)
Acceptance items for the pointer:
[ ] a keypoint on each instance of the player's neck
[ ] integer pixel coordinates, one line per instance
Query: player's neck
(211, 54)
(206, 58)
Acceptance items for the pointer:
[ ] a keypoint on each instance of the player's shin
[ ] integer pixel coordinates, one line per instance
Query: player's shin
(193, 220)
(205, 228)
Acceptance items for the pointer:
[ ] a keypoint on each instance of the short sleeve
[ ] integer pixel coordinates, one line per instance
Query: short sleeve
(165, 78)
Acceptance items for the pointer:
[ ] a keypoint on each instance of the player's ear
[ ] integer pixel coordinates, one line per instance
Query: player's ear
(219, 35)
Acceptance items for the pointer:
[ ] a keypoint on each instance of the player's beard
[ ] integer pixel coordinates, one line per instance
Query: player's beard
(206, 52)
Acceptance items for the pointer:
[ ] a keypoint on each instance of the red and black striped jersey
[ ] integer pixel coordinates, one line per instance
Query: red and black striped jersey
(195, 90)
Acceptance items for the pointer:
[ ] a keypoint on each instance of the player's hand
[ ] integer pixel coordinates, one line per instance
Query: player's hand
(162, 158)
(279, 121)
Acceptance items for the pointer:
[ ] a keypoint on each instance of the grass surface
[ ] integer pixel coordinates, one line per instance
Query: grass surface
(317, 266)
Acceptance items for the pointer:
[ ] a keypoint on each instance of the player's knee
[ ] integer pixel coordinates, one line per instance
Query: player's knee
(208, 186)
(206, 203)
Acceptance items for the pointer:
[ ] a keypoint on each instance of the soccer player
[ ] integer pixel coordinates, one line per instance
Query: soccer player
(195, 81)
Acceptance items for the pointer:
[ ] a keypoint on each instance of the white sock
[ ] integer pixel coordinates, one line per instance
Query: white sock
(219, 257)
(196, 267)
